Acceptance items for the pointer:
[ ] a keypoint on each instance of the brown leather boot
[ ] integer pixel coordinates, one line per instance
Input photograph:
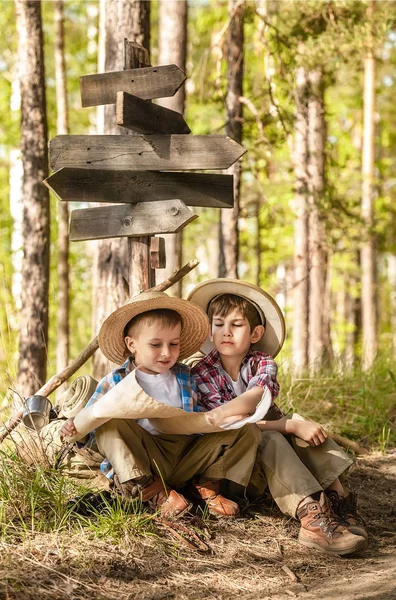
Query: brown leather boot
(168, 502)
(218, 505)
(346, 509)
(320, 529)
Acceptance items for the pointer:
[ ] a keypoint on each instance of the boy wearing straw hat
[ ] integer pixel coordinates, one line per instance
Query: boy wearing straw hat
(302, 470)
(148, 336)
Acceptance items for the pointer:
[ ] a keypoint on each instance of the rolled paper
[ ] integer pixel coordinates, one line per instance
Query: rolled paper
(77, 396)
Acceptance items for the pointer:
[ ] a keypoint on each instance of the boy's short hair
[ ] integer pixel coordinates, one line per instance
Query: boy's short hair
(165, 316)
(222, 305)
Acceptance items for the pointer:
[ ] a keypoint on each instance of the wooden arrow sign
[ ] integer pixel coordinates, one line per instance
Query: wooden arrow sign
(146, 83)
(124, 220)
(144, 117)
(93, 185)
(144, 152)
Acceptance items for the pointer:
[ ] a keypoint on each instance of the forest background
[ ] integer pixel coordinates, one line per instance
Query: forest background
(314, 222)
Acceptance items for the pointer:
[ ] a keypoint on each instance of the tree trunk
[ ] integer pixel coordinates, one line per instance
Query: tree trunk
(228, 225)
(62, 348)
(392, 299)
(318, 338)
(33, 338)
(368, 255)
(173, 50)
(123, 19)
(301, 267)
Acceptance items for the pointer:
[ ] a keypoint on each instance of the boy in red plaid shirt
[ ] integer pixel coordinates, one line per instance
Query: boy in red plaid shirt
(301, 464)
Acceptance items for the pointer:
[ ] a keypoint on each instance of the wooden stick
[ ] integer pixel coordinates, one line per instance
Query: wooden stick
(57, 380)
(348, 444)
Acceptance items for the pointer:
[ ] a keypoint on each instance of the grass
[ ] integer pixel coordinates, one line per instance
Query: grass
(359, 405)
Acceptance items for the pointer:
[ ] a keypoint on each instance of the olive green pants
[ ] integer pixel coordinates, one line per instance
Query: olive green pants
(293, 470)
(134, 452)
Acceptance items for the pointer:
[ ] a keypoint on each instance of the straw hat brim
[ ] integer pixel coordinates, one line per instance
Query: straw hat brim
(195, 328)
(275, 329)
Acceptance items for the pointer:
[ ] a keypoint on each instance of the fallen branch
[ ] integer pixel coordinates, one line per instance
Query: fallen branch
(57, 380)
(348, 444)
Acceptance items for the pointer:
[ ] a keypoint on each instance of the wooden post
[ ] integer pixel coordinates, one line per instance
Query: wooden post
(141, 275)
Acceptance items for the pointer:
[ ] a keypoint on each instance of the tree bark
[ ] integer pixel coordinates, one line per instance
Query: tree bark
(33, 338)
(318, 335)
(368, 254)
(123, 19)
(301, 266)
(62, 347)
(173, 50)
(228, 224)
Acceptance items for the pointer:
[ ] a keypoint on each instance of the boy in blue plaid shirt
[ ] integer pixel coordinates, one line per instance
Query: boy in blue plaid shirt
(152, 332)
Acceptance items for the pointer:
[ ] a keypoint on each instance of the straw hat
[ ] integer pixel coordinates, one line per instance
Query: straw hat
(195, 327)
(275, 329)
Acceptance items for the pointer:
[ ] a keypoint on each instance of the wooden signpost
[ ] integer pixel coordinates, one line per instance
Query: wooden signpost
(138, 176)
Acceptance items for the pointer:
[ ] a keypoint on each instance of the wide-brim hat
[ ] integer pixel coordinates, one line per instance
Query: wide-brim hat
(275, 328)
(195, 324)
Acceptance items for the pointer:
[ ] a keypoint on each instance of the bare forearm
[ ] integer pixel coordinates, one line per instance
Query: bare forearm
(280, 425)
(245, 405)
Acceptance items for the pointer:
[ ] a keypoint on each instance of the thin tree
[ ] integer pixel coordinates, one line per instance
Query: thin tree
(131, 20)
(301, 257)
(33, 336)
(228, 225)
(173, 50)
(62, 345)
(368, 254)
(319, 338)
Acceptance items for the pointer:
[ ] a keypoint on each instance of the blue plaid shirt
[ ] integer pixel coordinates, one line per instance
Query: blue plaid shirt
(187, 391)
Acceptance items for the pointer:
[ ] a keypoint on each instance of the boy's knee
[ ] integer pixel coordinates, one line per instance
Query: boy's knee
(252, 431)
(273, 438)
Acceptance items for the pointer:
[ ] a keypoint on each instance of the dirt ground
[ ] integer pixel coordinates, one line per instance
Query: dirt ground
(257, 557)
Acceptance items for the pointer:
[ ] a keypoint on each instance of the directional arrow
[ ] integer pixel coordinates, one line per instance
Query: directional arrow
(144, 117)
(145, 152)
(146, 83)
(93, 185)
(122, 220)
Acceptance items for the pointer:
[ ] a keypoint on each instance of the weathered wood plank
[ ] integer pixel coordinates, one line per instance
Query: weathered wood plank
(144, 152)
(146, 83)
(92, 185)
(144, 117)
(124, 220)
(157, 253)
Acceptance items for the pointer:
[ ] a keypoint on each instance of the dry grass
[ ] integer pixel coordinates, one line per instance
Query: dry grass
(256, 556)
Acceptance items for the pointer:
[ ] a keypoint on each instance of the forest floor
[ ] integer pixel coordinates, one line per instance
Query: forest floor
(255, 557)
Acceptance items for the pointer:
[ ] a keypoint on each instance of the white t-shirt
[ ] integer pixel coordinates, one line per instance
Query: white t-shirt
(239, 386)
(162, 387)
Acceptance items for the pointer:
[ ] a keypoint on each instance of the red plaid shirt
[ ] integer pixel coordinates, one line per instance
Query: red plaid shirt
(214, 388)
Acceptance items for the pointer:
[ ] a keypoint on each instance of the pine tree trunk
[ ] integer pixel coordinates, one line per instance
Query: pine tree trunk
(301, 267)
(62, 348)
(173, 50)
(318, 334)
(33, 338)
(392, 299)
(228, 225)
(368, 255)
(131, 20)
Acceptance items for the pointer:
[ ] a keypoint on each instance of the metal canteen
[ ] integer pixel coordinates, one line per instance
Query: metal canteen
(37, 412)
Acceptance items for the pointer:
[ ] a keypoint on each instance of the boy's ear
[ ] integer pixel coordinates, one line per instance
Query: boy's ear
(129, 343)
(257, 334)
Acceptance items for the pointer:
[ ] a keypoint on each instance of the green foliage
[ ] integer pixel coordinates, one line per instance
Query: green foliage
(359, 405)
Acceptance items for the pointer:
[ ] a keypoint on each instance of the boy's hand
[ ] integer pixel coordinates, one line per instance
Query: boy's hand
(309, 431)
(68, 429)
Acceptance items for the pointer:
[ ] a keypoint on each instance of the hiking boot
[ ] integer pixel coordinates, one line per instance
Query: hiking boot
(218, 505)
(320, 529)
(168, 502)
(346, 509)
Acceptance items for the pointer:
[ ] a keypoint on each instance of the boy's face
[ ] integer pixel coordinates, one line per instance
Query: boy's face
(232, 335)
(156, 349)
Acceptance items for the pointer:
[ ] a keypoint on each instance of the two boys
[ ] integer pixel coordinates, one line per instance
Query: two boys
(148, 336)
(247, 331)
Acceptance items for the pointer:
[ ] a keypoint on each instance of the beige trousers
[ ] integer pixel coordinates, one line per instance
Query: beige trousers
(134, 452)
(294, 470)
